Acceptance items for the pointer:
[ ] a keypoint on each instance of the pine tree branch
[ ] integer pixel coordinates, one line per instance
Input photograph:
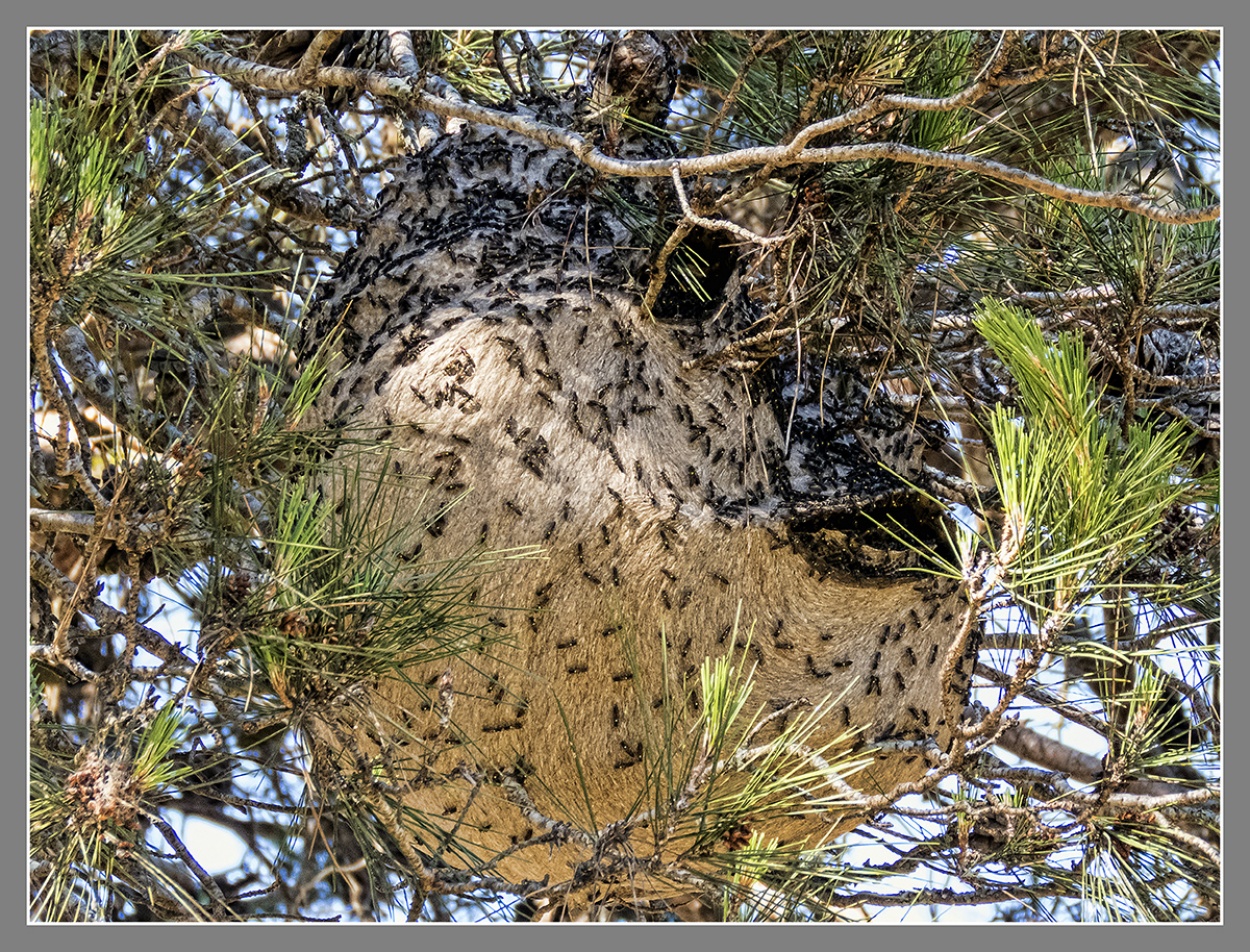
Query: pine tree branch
(561, 832)
(58, 50)
(310, 61)
(1171, 316)
(403, 56)
(1046, 698)
(1062, 759)
(109, 618)
(99, 389)
(795, 153)
(1076, 800)
(1090, 198)
(1194, 843)
(221, 907)
(761, 47)
(223, 150)
(978, 896)
(689, 216)
(88, 524)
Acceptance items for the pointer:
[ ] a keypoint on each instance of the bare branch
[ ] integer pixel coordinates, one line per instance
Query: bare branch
(221, 908)
(990, 168)
(659, 271)
(1035, 693)
(311, 60)
(87, 524)
(111, 619)
(219, 146)
(689, 215)
(54, 658)
(984, 895)
(402, 54)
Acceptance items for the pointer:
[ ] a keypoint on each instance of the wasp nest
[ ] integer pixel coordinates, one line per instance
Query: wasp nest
(685, 508)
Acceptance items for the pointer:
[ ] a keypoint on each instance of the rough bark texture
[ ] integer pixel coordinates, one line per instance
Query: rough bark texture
(492, 337)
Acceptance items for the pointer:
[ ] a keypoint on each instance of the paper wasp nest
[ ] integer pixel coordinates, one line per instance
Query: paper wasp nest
(493, 339)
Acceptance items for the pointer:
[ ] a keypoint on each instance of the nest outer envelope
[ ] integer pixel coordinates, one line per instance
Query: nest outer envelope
(493, 341)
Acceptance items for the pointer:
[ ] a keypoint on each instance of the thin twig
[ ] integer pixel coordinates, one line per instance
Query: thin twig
(563, 831)
(1044, 697)
(220, 906)
(716, 224)
(659, 271)
(514, 91)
